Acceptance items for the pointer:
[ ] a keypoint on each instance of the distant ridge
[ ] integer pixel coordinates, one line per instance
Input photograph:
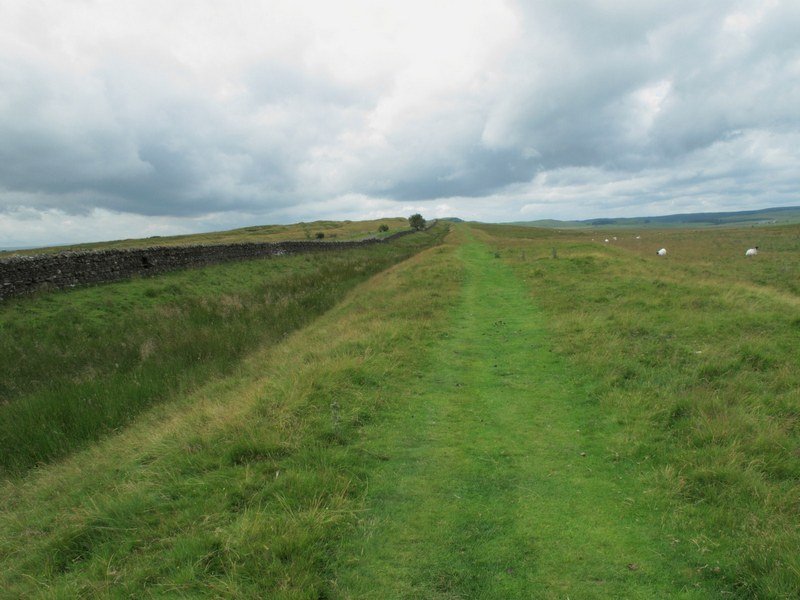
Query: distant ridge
(764, 216)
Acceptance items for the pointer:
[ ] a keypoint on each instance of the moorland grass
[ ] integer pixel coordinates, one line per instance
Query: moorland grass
(79, 364)
(245, 487)
(695, 356)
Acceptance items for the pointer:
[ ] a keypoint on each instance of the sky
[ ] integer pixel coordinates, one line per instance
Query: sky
(132, 119)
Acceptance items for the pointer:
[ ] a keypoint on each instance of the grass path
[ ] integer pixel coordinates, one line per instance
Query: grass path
(420, 440)
(497, 483)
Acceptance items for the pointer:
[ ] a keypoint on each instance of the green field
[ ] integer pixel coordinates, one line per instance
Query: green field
(504, 412)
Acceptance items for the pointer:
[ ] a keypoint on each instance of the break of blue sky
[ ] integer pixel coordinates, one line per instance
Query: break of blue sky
(130, 119)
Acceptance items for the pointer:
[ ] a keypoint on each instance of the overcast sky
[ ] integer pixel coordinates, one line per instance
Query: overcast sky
(130, 119)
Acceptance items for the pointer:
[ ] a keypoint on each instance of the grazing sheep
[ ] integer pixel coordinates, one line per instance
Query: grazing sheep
(606, 240)
(662, 252)
(751, 251)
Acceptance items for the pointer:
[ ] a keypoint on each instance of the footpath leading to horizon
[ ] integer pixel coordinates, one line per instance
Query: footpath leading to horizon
(428, 437)
(497, 483)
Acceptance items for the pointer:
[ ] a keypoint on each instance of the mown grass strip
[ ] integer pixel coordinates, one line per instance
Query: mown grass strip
(497, 482)
(79, 364)
(244, 488)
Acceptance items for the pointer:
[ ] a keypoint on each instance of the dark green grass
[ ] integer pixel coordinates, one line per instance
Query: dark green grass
(695, 356)
(81, 363)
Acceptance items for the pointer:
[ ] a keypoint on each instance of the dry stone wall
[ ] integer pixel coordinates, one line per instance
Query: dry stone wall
(25, 274)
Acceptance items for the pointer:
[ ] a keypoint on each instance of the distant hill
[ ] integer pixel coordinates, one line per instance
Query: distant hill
(330, 230)
(765, 216)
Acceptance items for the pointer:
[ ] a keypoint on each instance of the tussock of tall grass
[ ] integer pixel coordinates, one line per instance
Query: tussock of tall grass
(694, 361)
(79, 364)
(243, 488)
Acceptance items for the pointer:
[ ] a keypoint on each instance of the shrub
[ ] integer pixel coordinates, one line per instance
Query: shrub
(416, 221)
(320, 235)
(383, 227)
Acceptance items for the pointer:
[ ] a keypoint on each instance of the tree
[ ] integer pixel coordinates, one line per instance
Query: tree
(417, 222)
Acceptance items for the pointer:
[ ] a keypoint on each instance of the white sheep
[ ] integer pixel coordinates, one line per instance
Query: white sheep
(606, 240)
(751, 251)
(662, 252)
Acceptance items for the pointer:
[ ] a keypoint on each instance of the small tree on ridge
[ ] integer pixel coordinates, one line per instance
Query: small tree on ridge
(417, 222)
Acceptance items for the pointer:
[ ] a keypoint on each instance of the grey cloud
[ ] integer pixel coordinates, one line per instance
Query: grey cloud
(577, 111)
(274, 83)
(134, 141)
(57, 136)
(730, 174)
(142, 134)
(477, 171)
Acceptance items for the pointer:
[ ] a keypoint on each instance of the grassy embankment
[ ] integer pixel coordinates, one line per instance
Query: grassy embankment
(245, 487)
(693, 360)
(332, 230)
(79, 364)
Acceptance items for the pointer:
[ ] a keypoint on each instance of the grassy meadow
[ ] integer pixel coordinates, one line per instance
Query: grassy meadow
(693, 358)
(509, 412)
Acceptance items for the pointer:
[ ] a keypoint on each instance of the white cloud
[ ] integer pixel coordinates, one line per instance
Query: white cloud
(194, 114)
